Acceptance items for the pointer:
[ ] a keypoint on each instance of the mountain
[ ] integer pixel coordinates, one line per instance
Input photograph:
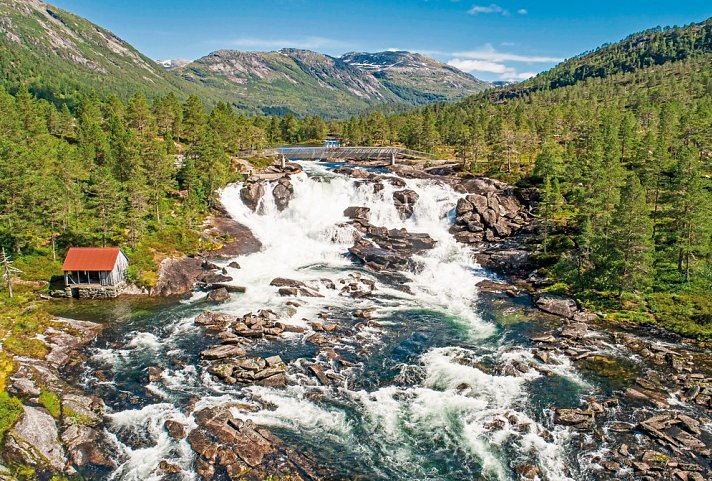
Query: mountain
(415, 78)
(59, 54)
(638, 51)
(308, 82)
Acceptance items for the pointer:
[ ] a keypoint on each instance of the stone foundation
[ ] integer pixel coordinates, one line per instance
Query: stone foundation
(97, 292)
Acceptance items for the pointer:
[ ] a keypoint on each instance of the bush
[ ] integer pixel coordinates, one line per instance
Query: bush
(10, 410)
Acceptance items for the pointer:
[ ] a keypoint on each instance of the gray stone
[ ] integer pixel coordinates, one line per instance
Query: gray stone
(34, 440)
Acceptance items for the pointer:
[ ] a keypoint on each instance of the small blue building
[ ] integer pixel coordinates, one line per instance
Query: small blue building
(332, 143)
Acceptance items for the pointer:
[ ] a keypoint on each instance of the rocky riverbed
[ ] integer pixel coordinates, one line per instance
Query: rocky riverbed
(348, 330)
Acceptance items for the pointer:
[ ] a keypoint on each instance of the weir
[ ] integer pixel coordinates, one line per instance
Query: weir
(347, 153)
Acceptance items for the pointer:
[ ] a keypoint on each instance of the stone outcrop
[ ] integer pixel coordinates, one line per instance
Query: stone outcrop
(34, 441)
(283, 193)
(251, 370)
(490, 215)
(405, 200)
(251, 194)
(226, 445)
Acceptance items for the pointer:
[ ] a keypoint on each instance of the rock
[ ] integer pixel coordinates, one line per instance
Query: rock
(574, 330)
(154, 373)
(463, 207)
(543, 356)
(357, 213)
(528, 471)
(85, 447)
(251, 193)
(404, 201)
(577, 418)
(177, 430)
(34, 440)
(233, 265)
(219, 295)
(210, 278)
(215, 320)
(169, 468)
(229, 288)
(283, 193)
(561, 306)
(224, 351)
(87, 410)
(319, 373)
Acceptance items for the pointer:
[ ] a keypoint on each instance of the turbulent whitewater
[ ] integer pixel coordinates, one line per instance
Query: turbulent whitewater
(430, 392)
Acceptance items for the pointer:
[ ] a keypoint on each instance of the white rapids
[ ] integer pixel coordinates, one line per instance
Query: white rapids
(444, 411)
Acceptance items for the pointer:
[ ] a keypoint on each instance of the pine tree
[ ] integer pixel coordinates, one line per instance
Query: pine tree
(631, 240)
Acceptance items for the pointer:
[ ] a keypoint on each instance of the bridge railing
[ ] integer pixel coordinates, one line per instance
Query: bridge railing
(345, 153)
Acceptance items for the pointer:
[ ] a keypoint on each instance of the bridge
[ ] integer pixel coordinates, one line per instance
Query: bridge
(345, 153)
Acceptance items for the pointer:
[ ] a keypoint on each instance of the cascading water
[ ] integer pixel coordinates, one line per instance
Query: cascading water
(429, 384)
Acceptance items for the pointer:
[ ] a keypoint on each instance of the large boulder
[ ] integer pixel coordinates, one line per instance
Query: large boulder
(560, 306)
(283, 193)
(219, 295)
(84, 444)
(34, 441)
(357, 213)
(404, 201)
(251, 193)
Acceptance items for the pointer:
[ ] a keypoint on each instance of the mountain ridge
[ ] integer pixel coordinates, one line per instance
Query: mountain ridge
(409, 78)
(60, 55)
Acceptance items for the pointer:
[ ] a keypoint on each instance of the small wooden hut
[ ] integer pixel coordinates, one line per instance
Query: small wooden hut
(91, 272)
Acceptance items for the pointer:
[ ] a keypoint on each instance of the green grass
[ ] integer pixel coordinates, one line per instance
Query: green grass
(51, 403)
(10, 410)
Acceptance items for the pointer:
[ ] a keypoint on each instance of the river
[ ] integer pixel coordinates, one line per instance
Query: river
(431, 390)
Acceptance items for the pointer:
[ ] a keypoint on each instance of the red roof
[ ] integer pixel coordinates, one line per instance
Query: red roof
(91, 259)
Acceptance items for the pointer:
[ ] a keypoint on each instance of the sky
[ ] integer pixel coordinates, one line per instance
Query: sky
(506, 40)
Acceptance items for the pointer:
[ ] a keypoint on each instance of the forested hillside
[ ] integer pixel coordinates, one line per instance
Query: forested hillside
(652, 47)
(137, 174)
(624, 168)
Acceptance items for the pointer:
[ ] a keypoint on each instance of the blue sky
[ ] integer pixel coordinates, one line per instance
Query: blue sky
(505, 40)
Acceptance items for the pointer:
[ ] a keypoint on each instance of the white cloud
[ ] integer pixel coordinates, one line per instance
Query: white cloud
(522, 11)
(489, 53)
(485, 9)
(477, 66)
(310, 42)
(505, 72)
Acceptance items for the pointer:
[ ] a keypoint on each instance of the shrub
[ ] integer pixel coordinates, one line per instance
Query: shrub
(10, 410)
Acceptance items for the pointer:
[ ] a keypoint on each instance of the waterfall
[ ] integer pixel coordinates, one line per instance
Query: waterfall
(431, 417)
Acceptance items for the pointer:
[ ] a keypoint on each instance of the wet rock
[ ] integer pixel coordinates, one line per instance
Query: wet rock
(561, 306)
(528, 471)
(404, 201)
(177, 430)
(319, 373)
(154, 373)
(223, 352)
(215, 320)
(34, 441)
(251, 193)
(219, 295)
(577, 418)
(574, 330)
(211, 278)
(233, 265)
(283, 193)
(168, 467)
(358, 213)
(86, 447)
